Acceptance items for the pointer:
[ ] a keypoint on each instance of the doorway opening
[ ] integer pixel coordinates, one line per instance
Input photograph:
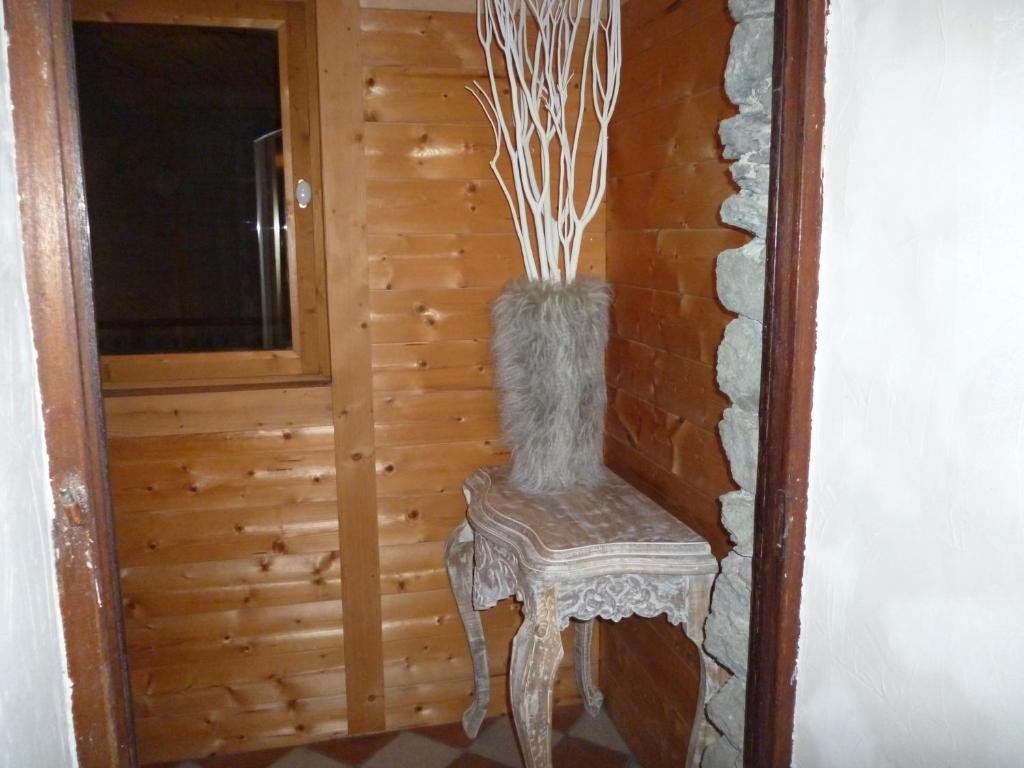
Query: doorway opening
(295, 386)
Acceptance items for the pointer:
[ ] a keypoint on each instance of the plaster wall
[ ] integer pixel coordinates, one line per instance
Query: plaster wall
(35, 719)
(913, 610)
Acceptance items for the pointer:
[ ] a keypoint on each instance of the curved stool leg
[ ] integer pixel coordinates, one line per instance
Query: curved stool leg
(458, 552)
(536, 651)
(711, 675)
(583, 643)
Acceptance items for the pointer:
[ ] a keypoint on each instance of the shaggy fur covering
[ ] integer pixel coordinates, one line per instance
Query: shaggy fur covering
(549, 347)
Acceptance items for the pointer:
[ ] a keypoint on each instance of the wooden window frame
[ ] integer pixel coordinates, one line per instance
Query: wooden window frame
(308, 358)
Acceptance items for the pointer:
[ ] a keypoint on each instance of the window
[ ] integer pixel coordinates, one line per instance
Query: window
(196, 131)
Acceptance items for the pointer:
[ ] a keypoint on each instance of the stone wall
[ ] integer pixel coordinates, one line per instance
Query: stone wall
(746, 138)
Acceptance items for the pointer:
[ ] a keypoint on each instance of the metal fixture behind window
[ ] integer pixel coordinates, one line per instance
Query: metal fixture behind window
(272, 231)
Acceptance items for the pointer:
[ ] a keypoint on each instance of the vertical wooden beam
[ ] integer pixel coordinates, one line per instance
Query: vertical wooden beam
(791, 293)
(348, 300)
(316, 179)
(55, 236)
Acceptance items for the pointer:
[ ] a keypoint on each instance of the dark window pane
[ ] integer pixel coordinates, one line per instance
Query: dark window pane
(172, 118)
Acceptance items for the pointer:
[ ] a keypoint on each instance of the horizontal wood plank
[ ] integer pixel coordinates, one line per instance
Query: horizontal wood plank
(429, 418)
(191, 600)
(426, 39)
(416, 470)
(687, 63)
(232, 481)
(674, 134)
(175, 537)
(429, 316)
(243, 696)
(686, 196)
(431, 705)
(687, 326)
(672, 443)
(440, 365)
(413, 568)
(396, 94)
(436, 206)
(222, 411)
(158, 681)
(290, 722)
(674, 384)
(677, 260)
(416, 519)
(434, 614)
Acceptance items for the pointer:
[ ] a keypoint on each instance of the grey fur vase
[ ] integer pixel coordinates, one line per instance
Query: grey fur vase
(549, 346)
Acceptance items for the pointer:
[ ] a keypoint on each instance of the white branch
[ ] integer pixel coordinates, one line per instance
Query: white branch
(536, 41)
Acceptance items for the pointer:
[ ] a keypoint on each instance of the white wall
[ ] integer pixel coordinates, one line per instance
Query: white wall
(912, 646)
(35, 727)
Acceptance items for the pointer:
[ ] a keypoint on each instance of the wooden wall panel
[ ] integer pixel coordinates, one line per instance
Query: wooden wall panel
(234, 572)
(440, 248)
(667, 183)
(228, 544)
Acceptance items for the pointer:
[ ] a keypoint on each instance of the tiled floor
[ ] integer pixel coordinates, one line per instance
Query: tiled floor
(578, 741)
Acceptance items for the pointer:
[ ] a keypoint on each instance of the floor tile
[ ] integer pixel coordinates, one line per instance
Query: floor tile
(307, 758)
(592, 743)
(574, 753)
(599, 730)
(469, 760)
(354, 749)
(498, 742)
(259, 759)
(410, 750)
(562, 718)
(451, 734)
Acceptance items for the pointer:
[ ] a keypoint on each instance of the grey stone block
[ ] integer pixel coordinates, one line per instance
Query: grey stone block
(747, 135)
(748, 73)
(747, 211)
(728, 627)
(721, 754)
(750, 176)
(739, 276)
(738, 518)
(748, 9)
(739, 363)
(738, 429)
(725, 710)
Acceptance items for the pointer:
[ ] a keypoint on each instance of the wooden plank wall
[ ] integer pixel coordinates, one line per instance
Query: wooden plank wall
(226, 500)
(228, 543)
(440, 245)
(668, 181)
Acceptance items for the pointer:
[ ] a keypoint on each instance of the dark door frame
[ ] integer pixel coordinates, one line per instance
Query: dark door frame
(56, 248)
(791, 294)
(55, 241)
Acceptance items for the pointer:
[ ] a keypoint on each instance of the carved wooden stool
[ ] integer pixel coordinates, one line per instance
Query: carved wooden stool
(609, 552)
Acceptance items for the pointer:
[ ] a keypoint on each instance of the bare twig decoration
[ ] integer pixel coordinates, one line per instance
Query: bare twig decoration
(537, 124)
